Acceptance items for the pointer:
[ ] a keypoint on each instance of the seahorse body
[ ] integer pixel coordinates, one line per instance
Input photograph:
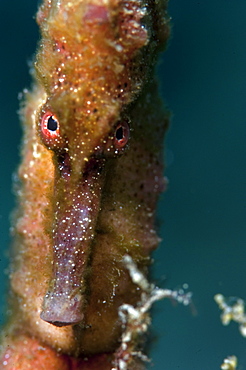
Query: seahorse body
(90, 178)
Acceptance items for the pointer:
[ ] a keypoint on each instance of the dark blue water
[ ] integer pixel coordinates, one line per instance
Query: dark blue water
(202, 215)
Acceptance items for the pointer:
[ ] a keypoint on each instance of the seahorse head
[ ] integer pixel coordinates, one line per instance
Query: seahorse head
(91, 64)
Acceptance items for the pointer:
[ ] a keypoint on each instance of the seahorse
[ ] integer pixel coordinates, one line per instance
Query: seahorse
(89, 181)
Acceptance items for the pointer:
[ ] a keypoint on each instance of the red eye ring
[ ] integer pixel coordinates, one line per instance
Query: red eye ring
(121, 136)
(50, 127)
(49, 130)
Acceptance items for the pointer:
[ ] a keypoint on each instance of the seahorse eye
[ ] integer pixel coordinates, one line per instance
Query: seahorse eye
(121, 135)
(50, 130)
(50, 125)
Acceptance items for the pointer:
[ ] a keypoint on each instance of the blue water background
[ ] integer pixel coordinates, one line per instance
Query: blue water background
(202, 216)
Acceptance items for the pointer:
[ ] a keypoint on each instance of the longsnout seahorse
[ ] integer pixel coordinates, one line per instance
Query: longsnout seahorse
(89, 181)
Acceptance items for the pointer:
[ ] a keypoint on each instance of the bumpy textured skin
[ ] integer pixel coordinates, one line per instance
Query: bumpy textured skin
(82, 204)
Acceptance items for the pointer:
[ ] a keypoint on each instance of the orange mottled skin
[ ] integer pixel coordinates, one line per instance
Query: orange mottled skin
(85, 202)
